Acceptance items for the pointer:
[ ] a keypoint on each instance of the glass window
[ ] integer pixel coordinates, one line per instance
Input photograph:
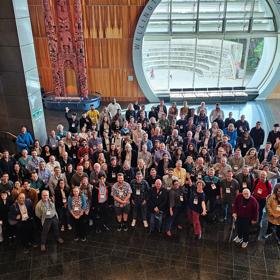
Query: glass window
(254, 57)
(183, 46)
(232, 70)
(207, 63)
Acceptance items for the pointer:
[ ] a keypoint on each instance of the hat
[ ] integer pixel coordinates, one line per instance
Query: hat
(276, 125)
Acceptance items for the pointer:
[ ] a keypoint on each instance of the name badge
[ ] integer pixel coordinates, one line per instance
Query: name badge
(199, 176)
(73, 124)
(138, 192)
(24, 216)
(227, 190)
(48, 213)
(76, 209)
(181, 198)
(181, 127)
(244, 185)
(278, 208)
(213, 186)
(175, 144)
(64, 200)
(113, 175)
(244, 146)
(259, 191)
(37, 190)
(102, 196)
(235, 167)
(120, 193)
(195, 201)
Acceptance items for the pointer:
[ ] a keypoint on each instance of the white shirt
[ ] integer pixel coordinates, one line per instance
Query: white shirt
(113, 108)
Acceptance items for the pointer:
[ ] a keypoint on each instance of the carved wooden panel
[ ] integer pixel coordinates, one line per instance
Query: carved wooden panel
(108, 28)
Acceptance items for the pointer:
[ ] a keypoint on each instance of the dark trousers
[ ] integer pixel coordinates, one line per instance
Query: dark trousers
(138, 206)
(243, 228)
(100, 215)
(25, 232)
(48, 224)
(63, 216)
(270, 229)
(79, 227)
(175, 219)
(262, 203)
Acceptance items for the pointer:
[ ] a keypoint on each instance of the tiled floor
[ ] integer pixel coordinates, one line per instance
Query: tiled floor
(138, 255)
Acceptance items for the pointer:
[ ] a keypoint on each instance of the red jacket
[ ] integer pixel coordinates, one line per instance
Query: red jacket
(249, 210)
(262, 189)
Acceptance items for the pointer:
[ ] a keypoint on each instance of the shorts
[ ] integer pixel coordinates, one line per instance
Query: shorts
(122, 210)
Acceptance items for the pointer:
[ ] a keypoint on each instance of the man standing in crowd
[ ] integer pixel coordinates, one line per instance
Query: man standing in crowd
(45, 211)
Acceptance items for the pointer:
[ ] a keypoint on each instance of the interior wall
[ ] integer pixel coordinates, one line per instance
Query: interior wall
(275, 93)
(108, 33)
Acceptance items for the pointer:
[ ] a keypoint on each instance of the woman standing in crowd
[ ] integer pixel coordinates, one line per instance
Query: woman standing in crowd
(77, 207)
(197, 207)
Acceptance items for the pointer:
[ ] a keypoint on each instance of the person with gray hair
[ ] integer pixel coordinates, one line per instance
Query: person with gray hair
(46, 212)
(245, 213)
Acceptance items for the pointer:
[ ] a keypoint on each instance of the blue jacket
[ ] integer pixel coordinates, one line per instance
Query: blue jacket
(84, 202)
(232, 137)
(24, 141)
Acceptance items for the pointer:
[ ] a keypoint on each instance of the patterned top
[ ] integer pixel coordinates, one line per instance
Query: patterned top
(121, 191)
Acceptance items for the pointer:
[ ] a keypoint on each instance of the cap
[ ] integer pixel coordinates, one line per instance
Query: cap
(276, 125)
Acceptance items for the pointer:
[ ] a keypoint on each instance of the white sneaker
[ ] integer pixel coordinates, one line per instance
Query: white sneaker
(90, 222)
(145, 224)
(244, 244)
(69, 227)
(133, 224)
(237, 240)
(62, 228)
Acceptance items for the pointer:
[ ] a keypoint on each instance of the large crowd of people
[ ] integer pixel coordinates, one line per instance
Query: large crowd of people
(163, 169)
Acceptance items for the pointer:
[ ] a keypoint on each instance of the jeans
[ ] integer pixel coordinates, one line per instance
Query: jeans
(48, 224)
(156, 221)
(139, 206)
(263, 226)
(227, 212)
(262, 203)
(270, 230)
(243, 228)
(173, 220)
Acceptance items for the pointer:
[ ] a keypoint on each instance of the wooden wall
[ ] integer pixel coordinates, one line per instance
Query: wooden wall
(108, 33)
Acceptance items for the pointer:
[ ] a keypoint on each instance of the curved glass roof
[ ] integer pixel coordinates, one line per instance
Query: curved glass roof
(208, 44)
(189, 16)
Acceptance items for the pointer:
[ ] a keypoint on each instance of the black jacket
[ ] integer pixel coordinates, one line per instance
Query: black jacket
(158, 199)
(257, 135)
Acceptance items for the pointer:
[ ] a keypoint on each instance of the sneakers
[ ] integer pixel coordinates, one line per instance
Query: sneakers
(267, 235)
(76, 239)
(124, 227)
(106, 228)
(237, 240)
(145, 224)
(133, 224)
(60, 240)
(43, 248)
(69, 227)
(119, 228)
(244, 245)
(168, 233)
(90, 222)
(62, 228)
(84, 239)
